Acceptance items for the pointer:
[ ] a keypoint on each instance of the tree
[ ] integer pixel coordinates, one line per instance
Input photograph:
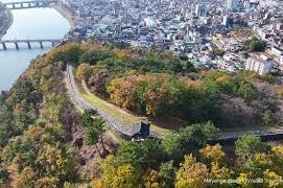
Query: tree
(46, 182)
(68, 53)
(125, 176)
(219, 172)
(277, 158)
(94, 134)
(148, 153)
(256, 45)
(99, 125)
(56, 164)
(92, 56)
(4, 174)
(83, 72)
(191, 174)
(272, 179)
(22, 90)
(130, 153)
(151, 179)
(257, 164)
(172, 145)
(249, 145)
(189, 139)
(153, 153)
(268, 118)
(152, 94)
(214, 158)
(167, 174)
(218, 52)
(122, 91)
(244, 180)
(25, 179)
(98, 81)
(7, 128)
(119, 175)
(87, 120)
(213, 153)
(247, 90)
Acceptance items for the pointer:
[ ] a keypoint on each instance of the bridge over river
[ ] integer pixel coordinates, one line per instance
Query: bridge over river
(42, 43)
(29, 43)
(29, 4)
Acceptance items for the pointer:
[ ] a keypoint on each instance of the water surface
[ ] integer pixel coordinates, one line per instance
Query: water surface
(37, 23)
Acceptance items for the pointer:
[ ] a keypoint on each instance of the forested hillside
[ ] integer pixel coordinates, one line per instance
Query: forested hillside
(162, 86)
(46, 141)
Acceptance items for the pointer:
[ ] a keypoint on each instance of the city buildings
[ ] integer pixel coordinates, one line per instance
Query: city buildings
(5, 19)
(193, 28)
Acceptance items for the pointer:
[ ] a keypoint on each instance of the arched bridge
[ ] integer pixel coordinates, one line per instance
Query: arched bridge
(29, 4)
(43, 43)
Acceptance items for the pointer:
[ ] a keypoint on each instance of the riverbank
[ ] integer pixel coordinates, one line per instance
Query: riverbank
(7, 22)
(66, 13)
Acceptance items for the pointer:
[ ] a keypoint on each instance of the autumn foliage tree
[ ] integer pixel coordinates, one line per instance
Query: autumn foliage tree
(191, 174)
(119, 176)
(213, 153)
(83, 72)
(69, 53)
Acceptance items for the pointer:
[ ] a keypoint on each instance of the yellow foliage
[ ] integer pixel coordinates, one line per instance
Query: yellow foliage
(263, 159)
(213, 153)
(122, 54)
(122, 91)
(244, 180)
(118, 176)
(25, 179)
(191, 174)
(46, 182)
(219, 172)
(278, 151)
(279, 90)
(152, 179)
(150, 89)
(35, 133)
(52, 159)
(271, 179)
(196, 84)
(83, 71)
(223, 79)
(96, 183)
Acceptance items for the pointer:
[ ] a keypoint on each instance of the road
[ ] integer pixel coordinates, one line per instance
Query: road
(73, 91)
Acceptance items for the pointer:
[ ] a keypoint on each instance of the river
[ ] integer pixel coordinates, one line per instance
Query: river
(37, 23)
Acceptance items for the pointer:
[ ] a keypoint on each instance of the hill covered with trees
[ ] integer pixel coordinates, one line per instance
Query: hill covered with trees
(161, 85)
(45, 141)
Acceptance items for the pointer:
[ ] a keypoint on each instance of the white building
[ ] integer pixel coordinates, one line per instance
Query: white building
(201, 9)
(260, 64)
(233, 5)
(277, 54)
